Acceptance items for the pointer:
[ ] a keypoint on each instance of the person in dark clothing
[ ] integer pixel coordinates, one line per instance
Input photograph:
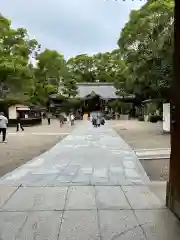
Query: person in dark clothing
(18, 123)
(3, 131)
(94, 121)
(44, 115)
(48, 118)
(102, 121)
(89, 114)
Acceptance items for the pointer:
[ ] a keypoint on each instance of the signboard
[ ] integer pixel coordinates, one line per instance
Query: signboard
(166, 117)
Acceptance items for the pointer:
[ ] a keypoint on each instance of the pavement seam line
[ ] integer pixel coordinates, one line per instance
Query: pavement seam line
(141, 225)
(11, 194)
(97, 211)
(62, 217)
(63, 170)
(126, 197)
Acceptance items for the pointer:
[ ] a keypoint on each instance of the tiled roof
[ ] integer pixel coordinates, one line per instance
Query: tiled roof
(104, 90)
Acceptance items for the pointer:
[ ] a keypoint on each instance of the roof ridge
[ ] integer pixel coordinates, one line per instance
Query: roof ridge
(96, 83)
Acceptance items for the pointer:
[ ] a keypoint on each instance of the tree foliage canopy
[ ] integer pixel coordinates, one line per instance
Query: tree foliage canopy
(18, 76)
(15, 51)
(102, 67)
(146, 45)
(142, 63)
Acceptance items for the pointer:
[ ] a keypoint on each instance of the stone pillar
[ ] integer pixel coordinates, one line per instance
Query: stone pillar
(173, 186)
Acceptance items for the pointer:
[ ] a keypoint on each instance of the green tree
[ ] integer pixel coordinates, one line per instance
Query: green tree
(15, 51)
(81, 68)
(69, 87)
(109, 66)
(104, 67)
(146, 45)
(51, 76)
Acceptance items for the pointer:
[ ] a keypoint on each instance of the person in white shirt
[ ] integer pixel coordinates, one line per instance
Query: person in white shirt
(3, 126)
(72, 119)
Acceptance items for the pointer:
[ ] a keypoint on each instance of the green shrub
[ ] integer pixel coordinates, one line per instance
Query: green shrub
(155, 118)
(125, 108)
(151, 108)
(115, 105)
(141, 118)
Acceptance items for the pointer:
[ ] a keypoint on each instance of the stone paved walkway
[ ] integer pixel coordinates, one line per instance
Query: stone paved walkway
(90, 186)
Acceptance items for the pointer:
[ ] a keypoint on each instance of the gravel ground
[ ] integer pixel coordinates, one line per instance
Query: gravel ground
(157, 170)
(143, 135)
(23, 146)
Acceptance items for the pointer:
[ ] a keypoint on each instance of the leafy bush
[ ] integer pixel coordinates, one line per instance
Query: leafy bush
(115, 105)
(155, 118)
(151, 108)
(141, 118)
(125, 108)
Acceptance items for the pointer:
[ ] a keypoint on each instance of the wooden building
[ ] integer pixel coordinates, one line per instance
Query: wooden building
(29, 114)
(94, 96)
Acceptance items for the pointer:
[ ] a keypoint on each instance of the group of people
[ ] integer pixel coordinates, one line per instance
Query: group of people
(4, 125)
(61, 117)
(70, 119)
(97, 120)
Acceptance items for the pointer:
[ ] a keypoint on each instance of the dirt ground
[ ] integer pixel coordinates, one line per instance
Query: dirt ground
(23, 146)
(157, 170)
(143, 135)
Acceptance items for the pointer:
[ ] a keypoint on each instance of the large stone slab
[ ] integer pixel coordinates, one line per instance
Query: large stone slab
(34, 198)
(81, 178)
(62, 179)
(159, 224)
(108, 197)
(38, 180)
(81, 197)
(5, 193)
(41, 226)
(79, 225)
(115, 223)
(132, 234)
(132, 174)
(30, 225)
(116, 170)
(10, 224)
(100, 175)
(99, 153)
(88, 156)
(140, 197)
(70, 170)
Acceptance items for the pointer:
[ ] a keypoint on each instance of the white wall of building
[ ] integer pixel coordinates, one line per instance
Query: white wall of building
(13, 110)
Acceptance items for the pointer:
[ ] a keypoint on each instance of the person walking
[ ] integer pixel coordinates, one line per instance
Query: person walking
(72, 118)
(102, 120)
(3, 126)
(98, 121)
(18, 123)
(49, 118)
(89, 115)
(94, 120)
(61, 120)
